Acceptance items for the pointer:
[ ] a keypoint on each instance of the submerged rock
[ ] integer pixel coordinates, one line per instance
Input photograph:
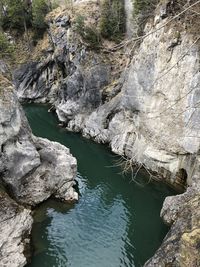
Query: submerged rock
(15, 228)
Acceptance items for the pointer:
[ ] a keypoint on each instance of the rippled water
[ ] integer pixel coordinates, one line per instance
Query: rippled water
(116, 222)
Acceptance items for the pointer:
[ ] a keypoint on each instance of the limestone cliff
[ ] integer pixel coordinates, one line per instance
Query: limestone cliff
(181, 245)
(32, 168)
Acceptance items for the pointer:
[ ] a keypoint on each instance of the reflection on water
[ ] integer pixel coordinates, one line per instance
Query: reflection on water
(115, 223)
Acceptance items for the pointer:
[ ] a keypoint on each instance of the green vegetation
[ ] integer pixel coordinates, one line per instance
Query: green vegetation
(13, 14)
(21, 14)
(5, 47)
(142, 10)
(141, 6)
(89, 33)
(39, 11)
(112, 23)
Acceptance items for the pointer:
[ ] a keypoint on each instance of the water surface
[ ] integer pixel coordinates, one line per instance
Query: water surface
(116, 222)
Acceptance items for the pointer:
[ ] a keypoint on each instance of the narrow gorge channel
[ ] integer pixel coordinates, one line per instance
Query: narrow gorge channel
(115, 223)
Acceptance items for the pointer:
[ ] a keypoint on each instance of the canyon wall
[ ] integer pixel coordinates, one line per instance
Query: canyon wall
(150, 114)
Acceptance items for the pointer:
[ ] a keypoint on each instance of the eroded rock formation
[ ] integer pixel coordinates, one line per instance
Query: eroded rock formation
(32, 168)
(148, 115)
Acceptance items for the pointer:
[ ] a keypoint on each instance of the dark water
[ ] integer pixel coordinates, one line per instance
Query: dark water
(116, 222)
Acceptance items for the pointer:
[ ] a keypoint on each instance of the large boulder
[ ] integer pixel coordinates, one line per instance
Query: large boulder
(32, 168)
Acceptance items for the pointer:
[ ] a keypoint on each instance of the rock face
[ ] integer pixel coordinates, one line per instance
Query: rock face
(32, 168)
(70, 74)
(181, 245)
(153, 121)
(128, 4)
(15, 228)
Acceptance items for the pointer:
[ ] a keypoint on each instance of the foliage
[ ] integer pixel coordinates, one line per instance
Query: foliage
(142, 10)
(13, 14)
(20, 14)
(5, 47)
(88, 33)
(92, 36)
(140, 6)
(80, 24)
(112, 23)
(39, 11)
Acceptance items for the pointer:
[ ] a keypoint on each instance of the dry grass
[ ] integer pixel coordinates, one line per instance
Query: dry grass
(190, 20)
(5, 87)
(4, 81)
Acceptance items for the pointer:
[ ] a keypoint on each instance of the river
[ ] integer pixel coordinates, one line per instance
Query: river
(116, 222)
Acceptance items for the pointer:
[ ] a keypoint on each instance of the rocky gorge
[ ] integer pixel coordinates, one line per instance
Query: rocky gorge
(90, 97)
(143, 102)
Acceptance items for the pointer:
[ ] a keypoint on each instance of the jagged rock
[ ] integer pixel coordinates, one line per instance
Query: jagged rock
(3, 67)
(81, 91)
(64, 78)
(180, 247)
(15, 228)
(163, 126)
(32, 168)
(63, 21)
(28, 74)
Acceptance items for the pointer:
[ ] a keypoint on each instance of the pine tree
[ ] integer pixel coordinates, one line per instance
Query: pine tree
(14, 14)
(112, 24)
(39, 10)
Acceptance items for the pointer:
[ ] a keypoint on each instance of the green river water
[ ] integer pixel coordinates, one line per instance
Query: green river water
(116, 222)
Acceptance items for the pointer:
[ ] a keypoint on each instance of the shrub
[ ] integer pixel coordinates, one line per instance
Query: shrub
(142, 10)
(39, 12)
(112, 22)
(5, 47)
(141, 6)
(89, 33)
(13, 14)
(80, 24)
